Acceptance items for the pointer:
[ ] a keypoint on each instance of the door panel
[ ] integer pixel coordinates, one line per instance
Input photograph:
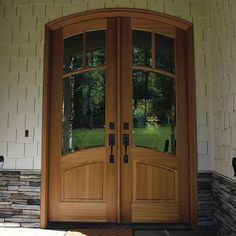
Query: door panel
(153, 213)
(81, 175)
(83, 182)
(83, 212)
(158, 124)
(119, 125)
(148, 176)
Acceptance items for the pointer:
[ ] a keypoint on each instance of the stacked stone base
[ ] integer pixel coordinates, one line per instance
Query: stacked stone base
(224, 202)
(20, 198)
(205, 201)
(20, 201)
(217, 204)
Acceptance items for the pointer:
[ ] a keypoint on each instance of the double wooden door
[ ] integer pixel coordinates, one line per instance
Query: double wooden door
(118, 123)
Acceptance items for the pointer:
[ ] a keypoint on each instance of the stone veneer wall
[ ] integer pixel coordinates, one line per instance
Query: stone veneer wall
(20, 198)
(20, 201)
(224, 205)
(205, 201)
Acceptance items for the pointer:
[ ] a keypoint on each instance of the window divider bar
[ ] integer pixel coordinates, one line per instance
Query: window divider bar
(83, 70)
(153, 51)
(159, 71)
(84, 49)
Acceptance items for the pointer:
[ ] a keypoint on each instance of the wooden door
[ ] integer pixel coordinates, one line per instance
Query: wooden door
(154, 163)
(83, 185)
(119, 124)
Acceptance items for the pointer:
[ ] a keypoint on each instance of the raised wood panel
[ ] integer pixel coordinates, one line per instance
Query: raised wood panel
(153, 26)
(89, 212)
(83, 156)
(154, 213)
(154, 182)
(164, 159)
(83, 182)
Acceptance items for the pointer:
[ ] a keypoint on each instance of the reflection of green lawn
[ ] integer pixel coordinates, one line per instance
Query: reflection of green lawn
(84, 138)
(153, 137)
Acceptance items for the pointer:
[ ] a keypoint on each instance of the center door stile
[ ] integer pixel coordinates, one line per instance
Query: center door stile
(126, 117)
(112, 116)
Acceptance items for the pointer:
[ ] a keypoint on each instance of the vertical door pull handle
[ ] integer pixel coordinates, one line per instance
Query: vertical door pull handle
(125, 139)
(126, 144)
(112, 142)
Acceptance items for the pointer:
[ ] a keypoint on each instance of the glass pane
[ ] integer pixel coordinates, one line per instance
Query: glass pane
(142, 52)
(73, 53)
(95, 46)
(83, 111)
(165, 53)
(154, 111)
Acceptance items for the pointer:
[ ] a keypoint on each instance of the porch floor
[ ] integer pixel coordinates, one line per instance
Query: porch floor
(42, 232)
(172, 233)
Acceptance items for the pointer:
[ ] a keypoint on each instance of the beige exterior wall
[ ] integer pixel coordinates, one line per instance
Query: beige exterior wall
(21, 72)
(222, 35)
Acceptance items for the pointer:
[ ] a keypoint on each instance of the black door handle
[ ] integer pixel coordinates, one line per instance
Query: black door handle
(125, 139)
(112, 142)
(126, 144)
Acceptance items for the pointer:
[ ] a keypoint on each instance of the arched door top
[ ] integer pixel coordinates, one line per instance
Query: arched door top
(117, 170)
(118, 12)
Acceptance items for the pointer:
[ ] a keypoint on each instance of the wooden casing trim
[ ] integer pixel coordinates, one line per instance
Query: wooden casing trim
(45, 130)
(121, 12)
(192, 127)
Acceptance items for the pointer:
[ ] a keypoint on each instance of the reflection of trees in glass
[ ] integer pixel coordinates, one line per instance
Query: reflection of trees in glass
(165, 53)
(73, 53)
(95, 48)
(83, 105)
(142, 53)
(154, 101)
(88, 44)
(89, 100)
(165, 62)
(95, 57)
(142, 56)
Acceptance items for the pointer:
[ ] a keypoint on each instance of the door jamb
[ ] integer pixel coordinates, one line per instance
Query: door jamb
(95, 14)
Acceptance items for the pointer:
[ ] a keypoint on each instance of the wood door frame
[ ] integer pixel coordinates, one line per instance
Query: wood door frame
(191, 109)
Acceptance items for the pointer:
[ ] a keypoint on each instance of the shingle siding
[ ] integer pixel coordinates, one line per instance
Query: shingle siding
(222, 33)
(21, 63)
